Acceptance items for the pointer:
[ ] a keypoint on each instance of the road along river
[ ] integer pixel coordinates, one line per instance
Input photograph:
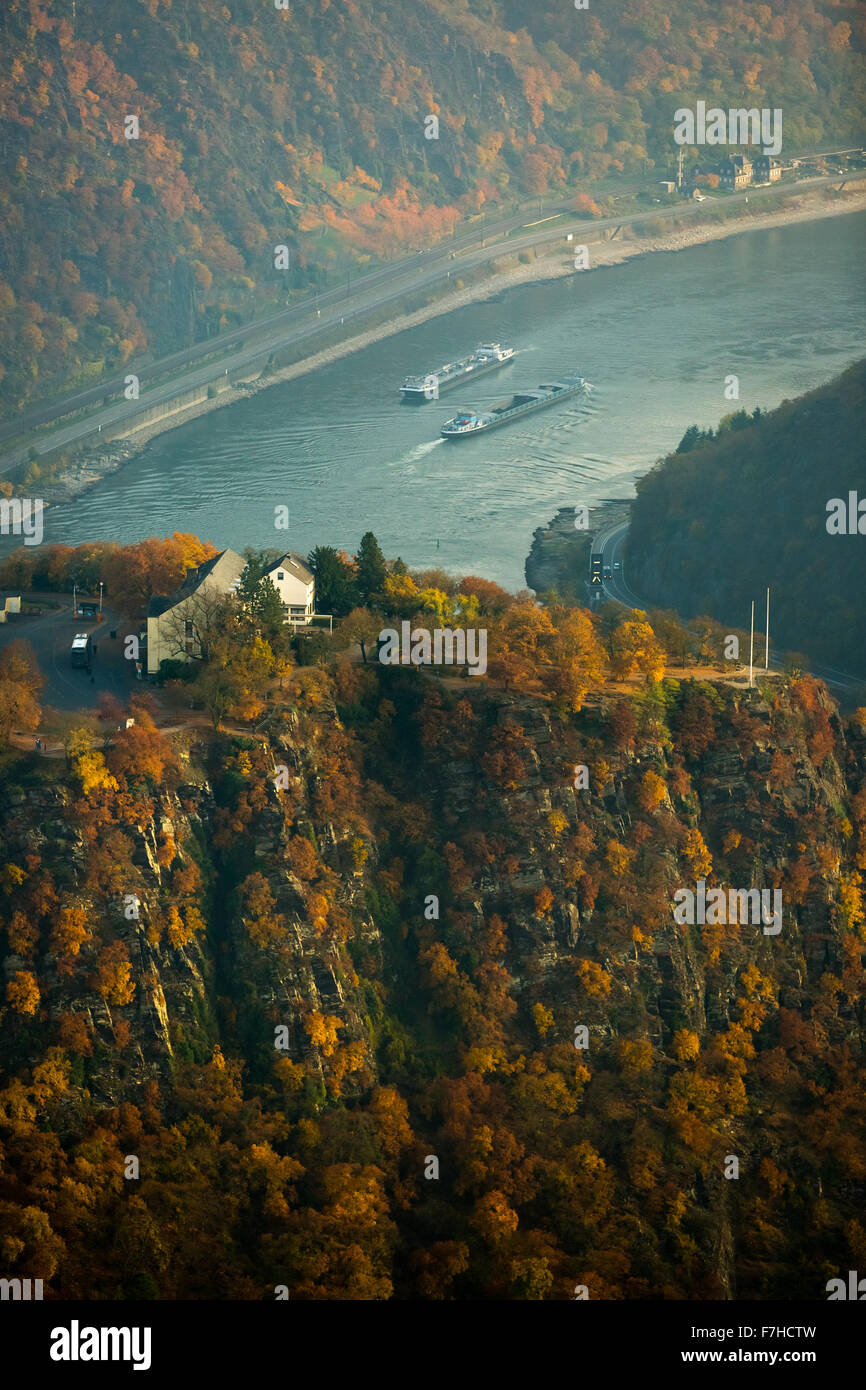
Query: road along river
(781, 310)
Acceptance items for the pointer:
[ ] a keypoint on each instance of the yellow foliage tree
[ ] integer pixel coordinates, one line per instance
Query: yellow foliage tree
(22, 992)
(577, 657)
(94, 775)
(635, 650)
(634, 1055)
(112, 975)
(652, 791)
(686, 1045)
(543, 1019)
(70, 931)
(619, 857)
(493, 1218)
(544, 901)
(851, 902)
(322, 1031)
(697, 854)
(594, 979)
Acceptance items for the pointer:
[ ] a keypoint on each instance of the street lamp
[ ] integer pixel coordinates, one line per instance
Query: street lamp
(100, 595)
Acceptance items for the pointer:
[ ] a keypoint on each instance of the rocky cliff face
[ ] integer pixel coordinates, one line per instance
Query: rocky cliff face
(412, 901)
(178, 975)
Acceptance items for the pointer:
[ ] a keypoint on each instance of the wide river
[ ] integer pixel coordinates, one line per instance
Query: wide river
(782, 310)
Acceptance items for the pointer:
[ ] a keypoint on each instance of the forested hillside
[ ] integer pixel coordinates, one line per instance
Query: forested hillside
(305, 127)
(301, 1004)
(746, 506)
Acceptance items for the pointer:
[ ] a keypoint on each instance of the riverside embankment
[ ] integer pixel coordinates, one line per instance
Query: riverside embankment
(127, 428)
(780, 309)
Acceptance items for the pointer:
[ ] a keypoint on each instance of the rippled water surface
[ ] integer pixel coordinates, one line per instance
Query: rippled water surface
(783, 310)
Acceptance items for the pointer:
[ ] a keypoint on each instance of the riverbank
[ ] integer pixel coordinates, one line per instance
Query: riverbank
(558, 560)
(96, 461)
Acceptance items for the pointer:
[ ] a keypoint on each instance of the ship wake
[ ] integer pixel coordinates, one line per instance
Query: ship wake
(420, 451)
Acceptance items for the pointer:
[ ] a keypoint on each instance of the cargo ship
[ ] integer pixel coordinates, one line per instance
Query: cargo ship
(470, 422)
(417, 389)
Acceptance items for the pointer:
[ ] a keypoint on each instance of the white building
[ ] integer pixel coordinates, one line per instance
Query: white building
(172, 631)
(296, 587)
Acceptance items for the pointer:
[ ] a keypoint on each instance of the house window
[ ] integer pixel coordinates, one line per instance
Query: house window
(280, 574)
(188, 629)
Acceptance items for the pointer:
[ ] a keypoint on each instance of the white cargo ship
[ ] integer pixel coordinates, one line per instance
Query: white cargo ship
(470, 422)
(417, 389)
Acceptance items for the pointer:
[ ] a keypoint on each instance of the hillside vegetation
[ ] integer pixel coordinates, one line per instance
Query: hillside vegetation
(305, 127)
(746, 507)
(378, 996)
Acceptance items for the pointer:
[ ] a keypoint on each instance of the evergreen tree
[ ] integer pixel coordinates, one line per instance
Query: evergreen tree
(371, 568)
(336, 591)
(270, 609)
(252, 574)
(260, 599)
(693, 436)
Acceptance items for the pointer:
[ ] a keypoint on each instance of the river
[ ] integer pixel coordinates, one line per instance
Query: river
(782, 310)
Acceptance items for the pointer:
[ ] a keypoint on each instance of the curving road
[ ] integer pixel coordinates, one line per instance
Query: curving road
(610, 542)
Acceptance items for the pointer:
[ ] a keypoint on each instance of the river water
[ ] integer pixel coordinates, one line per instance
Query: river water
(783, 310)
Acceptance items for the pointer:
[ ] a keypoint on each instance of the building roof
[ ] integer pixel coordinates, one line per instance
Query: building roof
(223, 569)
(226, 567)
(295, 565)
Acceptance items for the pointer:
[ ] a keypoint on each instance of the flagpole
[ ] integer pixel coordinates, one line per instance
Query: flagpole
(767, 644)
(752, 645)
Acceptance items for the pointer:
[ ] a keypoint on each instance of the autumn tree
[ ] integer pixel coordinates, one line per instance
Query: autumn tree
(111, 978)
(141, 751)
(520, 645)
(363, 627)
(635, 650)
(22, 992)
(576, 657)
(264, 925)
(70, 931)
(20, 683)
(133, 573)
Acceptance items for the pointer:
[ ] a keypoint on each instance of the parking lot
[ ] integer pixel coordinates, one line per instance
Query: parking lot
(50, 634)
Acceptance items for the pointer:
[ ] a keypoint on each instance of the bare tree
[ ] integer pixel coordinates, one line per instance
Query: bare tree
(193, 625)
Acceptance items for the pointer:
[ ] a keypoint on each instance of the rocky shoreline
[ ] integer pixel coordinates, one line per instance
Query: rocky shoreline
(559, 557)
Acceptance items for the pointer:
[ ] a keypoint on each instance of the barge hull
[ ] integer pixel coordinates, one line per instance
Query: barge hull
(411, 397)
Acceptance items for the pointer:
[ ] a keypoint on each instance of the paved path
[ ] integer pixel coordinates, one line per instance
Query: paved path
(50, 635)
